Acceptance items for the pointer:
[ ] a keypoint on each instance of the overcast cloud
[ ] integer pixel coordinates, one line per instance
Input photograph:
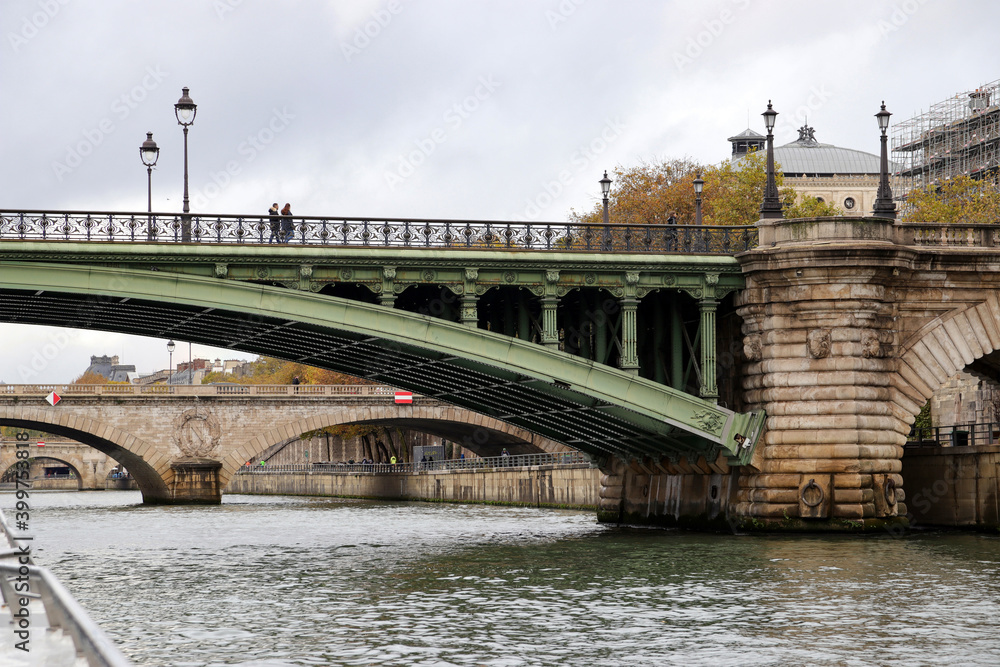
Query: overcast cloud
(431, 108)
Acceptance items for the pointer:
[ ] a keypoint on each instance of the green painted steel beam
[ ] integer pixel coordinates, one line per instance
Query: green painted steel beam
(595, 408)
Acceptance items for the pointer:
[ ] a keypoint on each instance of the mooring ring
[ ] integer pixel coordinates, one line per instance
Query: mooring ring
(890, 491)
(812, 485)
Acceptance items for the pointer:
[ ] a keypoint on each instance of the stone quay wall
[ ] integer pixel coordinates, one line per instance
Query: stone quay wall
(953, 486)
(574, 486)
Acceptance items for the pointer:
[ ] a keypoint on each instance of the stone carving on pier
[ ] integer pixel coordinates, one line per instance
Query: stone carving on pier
(197, 434)
(818, 343)
(752, 348)
(871, 346)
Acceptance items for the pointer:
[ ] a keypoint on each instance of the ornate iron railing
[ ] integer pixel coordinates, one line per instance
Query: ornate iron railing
(182, 390)
(367, 232)
(478, 464)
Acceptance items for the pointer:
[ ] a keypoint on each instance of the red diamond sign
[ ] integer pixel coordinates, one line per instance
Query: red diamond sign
(53, 398)
(404, 397)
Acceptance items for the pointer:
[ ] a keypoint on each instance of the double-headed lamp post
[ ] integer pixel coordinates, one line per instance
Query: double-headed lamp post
(605, 190)
(884, 207)
(149, 152)
(185, 110)
(170, 364)
(771, 207)
(699, 185)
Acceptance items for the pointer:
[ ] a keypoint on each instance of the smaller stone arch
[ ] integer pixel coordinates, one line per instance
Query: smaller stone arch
(419, 416)
(942, 348)
(153, 475)
(8, 460)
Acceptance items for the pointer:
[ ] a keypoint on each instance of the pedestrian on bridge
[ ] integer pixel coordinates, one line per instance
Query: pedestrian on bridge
(286, 223)
(275, 222)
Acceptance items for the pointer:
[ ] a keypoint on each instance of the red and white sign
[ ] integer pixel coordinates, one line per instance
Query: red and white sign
(40, 443)
(404, 396)
(53, 398)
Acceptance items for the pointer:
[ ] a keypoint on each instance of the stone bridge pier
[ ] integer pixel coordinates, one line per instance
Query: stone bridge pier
(850, 325)
(848, 328)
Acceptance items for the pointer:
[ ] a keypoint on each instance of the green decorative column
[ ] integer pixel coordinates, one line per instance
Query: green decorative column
(629, 304)
(469, 314)
(550, 304)
(388, 296)
(708, 305)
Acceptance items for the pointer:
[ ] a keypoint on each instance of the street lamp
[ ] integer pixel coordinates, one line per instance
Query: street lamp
(170, 366)
(185, 110)
(605, 189)
(771, 207)
(699, 185)
(149, 152)
(885, 207)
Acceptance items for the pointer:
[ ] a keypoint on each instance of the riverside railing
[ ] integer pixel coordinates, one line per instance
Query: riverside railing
(272, 390)
(372, 232)
(477, 464)
(957, 435)
(62, 611)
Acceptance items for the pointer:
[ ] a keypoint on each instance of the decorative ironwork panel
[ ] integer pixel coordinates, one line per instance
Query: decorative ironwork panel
(389, 233)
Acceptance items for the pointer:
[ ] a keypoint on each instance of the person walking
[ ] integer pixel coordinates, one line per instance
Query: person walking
(274, 219)
(286, 223)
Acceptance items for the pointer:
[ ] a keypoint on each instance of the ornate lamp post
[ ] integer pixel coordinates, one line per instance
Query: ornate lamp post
(771, 207)
(170, 366)
(884, 207)
(605, 189)
(699, 185)
(185, 110)
(149, 153)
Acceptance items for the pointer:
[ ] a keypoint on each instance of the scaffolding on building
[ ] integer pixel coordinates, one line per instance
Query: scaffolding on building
(957, 137)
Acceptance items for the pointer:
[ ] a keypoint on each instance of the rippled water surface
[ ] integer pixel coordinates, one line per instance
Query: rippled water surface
(304, 581)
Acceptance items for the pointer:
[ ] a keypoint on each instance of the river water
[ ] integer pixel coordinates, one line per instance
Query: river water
(265, 580)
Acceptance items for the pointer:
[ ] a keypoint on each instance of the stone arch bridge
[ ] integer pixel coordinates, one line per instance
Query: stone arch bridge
(91, 469)
(184, 443)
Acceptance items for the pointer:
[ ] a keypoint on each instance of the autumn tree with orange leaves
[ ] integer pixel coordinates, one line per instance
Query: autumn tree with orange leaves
(651, 191)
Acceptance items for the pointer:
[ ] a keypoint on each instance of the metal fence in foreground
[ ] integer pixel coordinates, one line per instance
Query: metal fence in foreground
(62, 611)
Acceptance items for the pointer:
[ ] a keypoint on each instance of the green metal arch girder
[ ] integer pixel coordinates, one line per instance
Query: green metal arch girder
(674, 422)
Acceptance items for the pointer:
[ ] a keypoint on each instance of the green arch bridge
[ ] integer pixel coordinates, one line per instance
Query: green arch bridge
(602, 338)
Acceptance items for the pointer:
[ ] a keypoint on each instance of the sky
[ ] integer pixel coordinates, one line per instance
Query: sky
(491, 109)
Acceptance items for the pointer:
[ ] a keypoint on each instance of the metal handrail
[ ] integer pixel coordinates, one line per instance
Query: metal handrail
(61, 609)
(476, 464)
(955, 435)
(143, 227)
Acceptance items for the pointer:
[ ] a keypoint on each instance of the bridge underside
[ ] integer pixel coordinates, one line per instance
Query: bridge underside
(599, 410)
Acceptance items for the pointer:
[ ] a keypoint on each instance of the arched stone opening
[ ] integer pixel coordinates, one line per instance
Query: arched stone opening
(39, 471)
(481, 434)
(152, 477)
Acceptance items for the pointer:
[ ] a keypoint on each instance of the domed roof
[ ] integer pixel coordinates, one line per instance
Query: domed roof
(806, 156)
